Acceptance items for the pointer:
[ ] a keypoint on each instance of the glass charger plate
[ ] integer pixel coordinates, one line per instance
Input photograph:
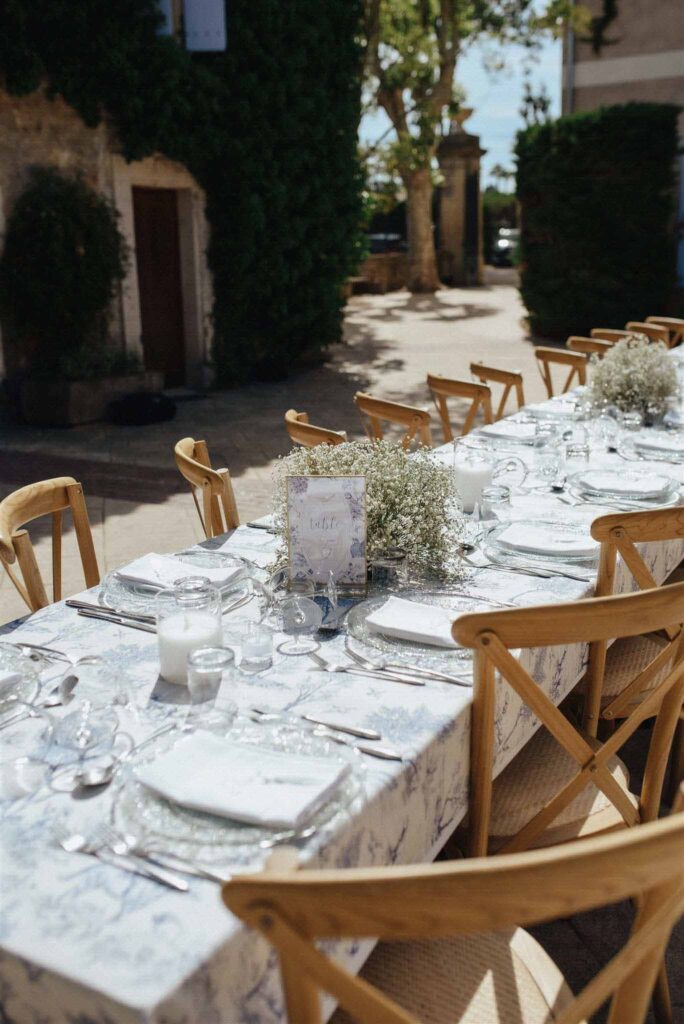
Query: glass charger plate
(409, 651)
(195, 835)
(127, 596)
(573, 531)
(669, 488)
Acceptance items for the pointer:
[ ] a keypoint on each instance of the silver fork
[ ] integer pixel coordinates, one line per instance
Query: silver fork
(396, 677)
(111, 840)
(77, 843)
(381, 665)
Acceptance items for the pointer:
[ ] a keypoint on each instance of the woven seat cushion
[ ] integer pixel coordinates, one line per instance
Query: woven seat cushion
(532, 779)
(500, 978)
(626, 658)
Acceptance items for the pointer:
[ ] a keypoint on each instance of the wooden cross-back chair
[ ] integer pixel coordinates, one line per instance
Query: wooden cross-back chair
(218, 512)
(46, 497)
(610, 334)
(511, 379)
(305, 433)
(674, 325)
(564, 783)
(452, 949)
(375, 411)
(654, 332)
(588, 346)
(620, 675)
(479, 396)
(575, 362)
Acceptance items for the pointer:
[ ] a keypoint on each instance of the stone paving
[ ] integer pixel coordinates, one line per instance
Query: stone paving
(137, 501)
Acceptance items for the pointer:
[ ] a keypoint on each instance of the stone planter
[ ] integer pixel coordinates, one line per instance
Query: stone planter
(66, 403)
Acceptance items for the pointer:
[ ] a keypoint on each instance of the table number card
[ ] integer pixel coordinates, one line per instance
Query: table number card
(326, 529)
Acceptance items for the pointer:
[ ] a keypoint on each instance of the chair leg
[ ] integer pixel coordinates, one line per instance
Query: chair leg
(676, 773)
(662, 1004)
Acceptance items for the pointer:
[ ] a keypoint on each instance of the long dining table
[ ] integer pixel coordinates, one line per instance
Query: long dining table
(82, 941)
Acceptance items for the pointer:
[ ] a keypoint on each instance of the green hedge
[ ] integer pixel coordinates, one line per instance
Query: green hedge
(268, 129)
(597, 198)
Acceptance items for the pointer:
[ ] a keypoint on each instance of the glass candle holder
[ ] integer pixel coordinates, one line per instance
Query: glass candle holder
(256, 648)
(389, 568)
(188, 617)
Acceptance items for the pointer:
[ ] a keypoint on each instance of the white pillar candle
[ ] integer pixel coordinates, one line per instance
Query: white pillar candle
(179, 635)
(470, 478)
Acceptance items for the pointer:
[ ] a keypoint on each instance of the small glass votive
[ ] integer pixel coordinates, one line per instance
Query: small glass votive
(496, 502)
(256, 648)
(631, 420)
(389, 568)
(576, 456)
(207, 668)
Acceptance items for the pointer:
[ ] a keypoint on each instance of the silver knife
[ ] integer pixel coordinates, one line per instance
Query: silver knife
(382, 752)
(364, 734)
(116, 619)
(107, 609)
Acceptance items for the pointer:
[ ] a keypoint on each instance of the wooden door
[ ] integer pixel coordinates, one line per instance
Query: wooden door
(157, 253)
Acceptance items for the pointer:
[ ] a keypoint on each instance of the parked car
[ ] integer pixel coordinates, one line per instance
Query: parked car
(505, 247)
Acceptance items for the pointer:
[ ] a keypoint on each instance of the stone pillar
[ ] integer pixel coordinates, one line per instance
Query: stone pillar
(460, 252)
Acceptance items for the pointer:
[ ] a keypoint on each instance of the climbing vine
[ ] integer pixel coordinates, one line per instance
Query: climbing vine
(268, 129)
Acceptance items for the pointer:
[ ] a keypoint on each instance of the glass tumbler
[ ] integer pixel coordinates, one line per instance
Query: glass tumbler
(496, 503)
(256, 648)
(208, 669)
(389, 568)
(188, 617)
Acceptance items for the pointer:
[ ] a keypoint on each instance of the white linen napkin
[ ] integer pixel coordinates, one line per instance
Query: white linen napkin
(556, 407)
(271, 788)
(510, 429)
(537, 539)
(163, 571)
(8, 681)
(648, 485)
(409, 620)
(659, 441)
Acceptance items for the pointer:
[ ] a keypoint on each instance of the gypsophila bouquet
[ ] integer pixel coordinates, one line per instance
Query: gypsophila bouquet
(411, 500)
(635, 375)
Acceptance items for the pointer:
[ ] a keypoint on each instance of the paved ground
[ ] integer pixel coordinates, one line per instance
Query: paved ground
(135, 496)
(137, 501)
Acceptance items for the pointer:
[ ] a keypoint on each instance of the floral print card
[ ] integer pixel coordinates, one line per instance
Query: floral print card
(326, 529)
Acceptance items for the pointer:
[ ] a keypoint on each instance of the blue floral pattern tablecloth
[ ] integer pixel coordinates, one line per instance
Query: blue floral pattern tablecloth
(85, 943)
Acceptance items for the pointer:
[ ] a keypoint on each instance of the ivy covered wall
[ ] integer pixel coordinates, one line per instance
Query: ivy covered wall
(268, 129)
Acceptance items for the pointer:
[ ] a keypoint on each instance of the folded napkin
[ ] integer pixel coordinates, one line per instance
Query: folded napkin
(163, 571)
(510, 429)
(408, 620)
(274, 789)
(648, 485)
(550, 410)
(659, 441)
(536, 539)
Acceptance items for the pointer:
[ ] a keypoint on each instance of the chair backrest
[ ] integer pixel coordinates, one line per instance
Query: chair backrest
(296, 910)
(493, 635)
(218, 512)
(609, 334)
(511, 380)
(588, 346)
(574, 361)
(375, 410)
(674, 325)
(479, 396)
(304, 433)
(654, 332)
(46, 497)
(619, 533)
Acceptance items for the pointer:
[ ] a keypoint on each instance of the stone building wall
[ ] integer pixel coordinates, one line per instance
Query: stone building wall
(37, 130)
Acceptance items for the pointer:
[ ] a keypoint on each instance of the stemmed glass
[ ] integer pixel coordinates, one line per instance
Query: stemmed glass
(91, 729)
(300, 617)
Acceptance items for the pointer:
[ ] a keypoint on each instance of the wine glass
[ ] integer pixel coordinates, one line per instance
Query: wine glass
(300, 617)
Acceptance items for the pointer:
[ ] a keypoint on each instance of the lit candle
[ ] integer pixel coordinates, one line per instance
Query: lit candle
(470, 478)
(179, 635)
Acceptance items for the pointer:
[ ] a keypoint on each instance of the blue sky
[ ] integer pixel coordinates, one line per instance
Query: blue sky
(495, 97)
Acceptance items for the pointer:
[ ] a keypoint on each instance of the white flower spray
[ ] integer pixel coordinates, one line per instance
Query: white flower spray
(635, 375)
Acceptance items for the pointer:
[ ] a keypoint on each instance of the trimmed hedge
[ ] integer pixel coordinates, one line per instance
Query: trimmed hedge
(268, 129)
(597, 194)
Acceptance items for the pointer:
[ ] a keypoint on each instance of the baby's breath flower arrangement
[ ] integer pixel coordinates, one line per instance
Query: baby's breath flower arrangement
(411, 500)
(635, 375)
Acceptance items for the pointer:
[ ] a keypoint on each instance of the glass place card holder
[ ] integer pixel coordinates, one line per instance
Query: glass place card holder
(326, 535)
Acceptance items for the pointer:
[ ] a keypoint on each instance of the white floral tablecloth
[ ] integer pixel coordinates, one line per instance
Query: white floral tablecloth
(85, 943)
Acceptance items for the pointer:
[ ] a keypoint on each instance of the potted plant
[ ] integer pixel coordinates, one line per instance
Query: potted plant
(63, 260)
